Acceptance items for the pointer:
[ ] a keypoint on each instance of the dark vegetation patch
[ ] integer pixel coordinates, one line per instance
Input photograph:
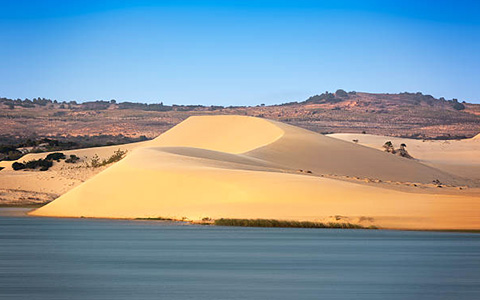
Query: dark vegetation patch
(42, 164)
(55, 156)
(13, 148)
(421, 136)
(281, 223)
(99, 105)
(72, 159)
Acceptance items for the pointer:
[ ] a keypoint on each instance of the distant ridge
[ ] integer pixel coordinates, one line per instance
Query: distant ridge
(413, 115)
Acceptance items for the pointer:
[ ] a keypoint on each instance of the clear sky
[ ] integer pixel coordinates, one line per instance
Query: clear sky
(237, 52)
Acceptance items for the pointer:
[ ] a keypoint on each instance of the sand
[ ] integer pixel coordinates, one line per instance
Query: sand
(27, 187)
(460, 157)
(245, 167)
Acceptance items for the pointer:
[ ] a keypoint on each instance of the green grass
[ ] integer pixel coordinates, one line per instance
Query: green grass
(290, 224)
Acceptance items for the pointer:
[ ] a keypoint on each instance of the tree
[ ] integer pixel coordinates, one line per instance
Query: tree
(341, 93)
(388, 146)
(458, 105)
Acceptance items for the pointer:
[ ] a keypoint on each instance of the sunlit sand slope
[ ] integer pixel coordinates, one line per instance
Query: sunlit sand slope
(244, 167)
(461, 157)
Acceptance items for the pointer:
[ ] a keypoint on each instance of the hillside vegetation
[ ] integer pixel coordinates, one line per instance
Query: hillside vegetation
(107, 122)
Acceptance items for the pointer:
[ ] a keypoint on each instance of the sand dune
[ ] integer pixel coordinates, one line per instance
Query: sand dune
(460, 157)
(33, 187)
(244, 167)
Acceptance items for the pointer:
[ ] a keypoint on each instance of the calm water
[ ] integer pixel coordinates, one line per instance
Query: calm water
(43, 258)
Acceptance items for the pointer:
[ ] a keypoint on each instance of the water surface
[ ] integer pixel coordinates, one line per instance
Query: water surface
(48, 258)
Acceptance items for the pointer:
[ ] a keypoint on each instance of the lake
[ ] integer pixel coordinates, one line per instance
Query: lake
(48, 258)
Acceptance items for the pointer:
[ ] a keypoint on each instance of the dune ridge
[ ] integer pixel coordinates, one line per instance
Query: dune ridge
(245, 167)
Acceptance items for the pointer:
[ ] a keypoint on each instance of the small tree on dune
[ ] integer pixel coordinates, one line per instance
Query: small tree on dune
(388, 146)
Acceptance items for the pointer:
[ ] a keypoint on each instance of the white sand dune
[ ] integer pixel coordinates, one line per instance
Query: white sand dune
(244, 167)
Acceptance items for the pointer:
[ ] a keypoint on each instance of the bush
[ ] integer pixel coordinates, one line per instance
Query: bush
(12, 154)
(43, 164)
(116, 156)
(95, 162)
(402, 151)
(458, 106)
(18, 166)
(72, 159)
(388, 146)
(341, 93)
(55, 156)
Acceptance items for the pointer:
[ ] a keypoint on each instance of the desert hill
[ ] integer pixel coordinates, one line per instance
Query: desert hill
(244, 167)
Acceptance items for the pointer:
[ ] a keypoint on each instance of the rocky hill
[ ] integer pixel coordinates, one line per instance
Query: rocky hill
(406, 114)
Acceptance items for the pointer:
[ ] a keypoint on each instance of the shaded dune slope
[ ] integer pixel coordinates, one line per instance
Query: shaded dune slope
(244, 167)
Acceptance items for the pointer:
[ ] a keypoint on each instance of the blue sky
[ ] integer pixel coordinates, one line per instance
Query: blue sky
(237, 52)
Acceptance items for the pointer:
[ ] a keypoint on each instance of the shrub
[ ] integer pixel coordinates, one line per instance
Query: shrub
(458, 106)
(95, 161)
(18, 166)
(55, 156)
(43, 164)
(388, 146)
(72, 159)
(12, 155)
(116, 156)
(341, 93)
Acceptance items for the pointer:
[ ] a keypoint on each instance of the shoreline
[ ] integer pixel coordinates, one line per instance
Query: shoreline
(247, 223)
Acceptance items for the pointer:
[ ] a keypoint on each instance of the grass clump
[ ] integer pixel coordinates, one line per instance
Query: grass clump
(290, 224)
(95, 161)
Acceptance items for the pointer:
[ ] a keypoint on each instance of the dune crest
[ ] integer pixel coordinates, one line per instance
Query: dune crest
(245, 167)
(230, 134)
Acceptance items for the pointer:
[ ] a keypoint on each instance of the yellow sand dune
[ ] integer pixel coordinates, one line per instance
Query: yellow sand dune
(245, 167)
